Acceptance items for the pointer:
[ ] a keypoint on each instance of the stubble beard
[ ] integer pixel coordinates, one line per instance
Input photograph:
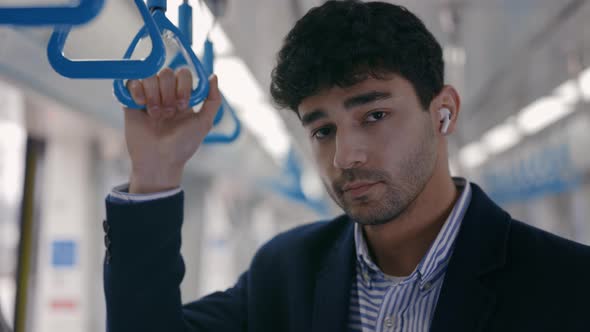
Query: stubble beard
(414, 174)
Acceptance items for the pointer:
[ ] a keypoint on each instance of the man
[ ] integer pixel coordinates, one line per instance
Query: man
(416, 249)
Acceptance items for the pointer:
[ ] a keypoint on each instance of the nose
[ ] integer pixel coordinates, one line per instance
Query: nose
(350, 152)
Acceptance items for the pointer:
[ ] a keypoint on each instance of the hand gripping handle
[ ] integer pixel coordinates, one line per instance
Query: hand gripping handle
(166, 28)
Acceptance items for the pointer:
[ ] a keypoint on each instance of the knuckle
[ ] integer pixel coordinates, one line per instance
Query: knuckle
(152, 100)
(132, 84)
(150, 79)
(166, 73)
(150, 83)
(185, 75)
(183, 71)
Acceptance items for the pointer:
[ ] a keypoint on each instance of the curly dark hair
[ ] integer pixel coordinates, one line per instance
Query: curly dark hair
(341, 43)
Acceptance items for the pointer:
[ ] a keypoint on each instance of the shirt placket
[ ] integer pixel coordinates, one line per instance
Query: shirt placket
(391, 316)
(384, 320)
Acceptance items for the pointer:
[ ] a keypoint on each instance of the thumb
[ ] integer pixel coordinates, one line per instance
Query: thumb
(211, 104)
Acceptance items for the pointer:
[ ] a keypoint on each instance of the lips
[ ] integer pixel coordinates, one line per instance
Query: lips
(358, 188)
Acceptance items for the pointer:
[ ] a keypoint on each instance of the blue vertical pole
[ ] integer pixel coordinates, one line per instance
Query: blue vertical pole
(208, 56)
(185, 21)
(156, 4)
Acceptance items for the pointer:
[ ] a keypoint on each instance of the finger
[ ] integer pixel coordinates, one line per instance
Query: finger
(184, 87)
(135, 88)
(151, 87)
(212, 103)
(167, 83)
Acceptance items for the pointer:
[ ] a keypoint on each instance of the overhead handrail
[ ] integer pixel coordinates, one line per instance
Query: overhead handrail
(109, 69)
(170, 31)
(71, 14)
(156, 26)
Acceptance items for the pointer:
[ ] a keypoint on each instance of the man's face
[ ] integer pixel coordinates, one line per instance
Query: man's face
(374, 145)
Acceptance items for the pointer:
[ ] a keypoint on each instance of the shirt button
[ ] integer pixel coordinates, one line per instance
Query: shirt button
(105, 226)
(426, 286)
(107, 242)
(389, 321)
(367, 279)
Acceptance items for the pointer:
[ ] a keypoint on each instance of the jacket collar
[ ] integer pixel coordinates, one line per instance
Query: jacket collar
(437, 257)
(465, 302)
(333, 283)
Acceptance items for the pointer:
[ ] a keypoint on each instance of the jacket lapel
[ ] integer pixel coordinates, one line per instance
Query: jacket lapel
(333, 283)
(465, 302)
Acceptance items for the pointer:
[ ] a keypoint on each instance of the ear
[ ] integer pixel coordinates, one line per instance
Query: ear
(449, 99)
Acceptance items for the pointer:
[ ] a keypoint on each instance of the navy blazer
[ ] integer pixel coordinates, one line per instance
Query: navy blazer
(503, 276)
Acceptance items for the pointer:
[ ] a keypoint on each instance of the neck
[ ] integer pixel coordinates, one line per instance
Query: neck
(399, 245)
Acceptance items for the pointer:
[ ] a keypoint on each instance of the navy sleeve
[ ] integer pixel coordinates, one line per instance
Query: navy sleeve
(143, 270)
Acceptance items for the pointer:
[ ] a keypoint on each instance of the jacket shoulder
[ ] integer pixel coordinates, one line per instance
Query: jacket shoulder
(533, 246)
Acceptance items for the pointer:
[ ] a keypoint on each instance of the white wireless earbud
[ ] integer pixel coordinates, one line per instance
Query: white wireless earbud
(445, 117)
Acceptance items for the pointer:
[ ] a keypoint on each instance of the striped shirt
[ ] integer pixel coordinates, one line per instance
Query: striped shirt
(379, 302)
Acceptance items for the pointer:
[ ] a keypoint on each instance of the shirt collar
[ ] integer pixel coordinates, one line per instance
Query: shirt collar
(436, 259)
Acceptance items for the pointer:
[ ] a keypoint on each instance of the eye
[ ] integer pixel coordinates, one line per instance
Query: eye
(322, 133)
(375, 116)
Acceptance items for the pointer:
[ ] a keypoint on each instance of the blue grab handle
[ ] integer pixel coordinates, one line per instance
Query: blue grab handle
(71, 14)
(179, 61)
(219, 138)
(213, 138)
(197, 95)
(108, 69)
(289, 185)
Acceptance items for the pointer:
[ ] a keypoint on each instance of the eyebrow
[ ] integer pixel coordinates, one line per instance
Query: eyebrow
(313, 116)
(365, 98)
(352, 102)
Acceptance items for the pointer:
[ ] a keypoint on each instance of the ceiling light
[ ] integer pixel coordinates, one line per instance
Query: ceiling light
(568, 92)
(236, 81)
(244, 93)
(584, 81)
(473, 155)
(266, 124)
(541, 113)
(502, 137)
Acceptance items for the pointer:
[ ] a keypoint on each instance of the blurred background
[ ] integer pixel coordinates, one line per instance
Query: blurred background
(522, 68)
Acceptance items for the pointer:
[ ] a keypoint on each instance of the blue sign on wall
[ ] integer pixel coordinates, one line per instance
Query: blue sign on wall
(547, 171)
(63, 253)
